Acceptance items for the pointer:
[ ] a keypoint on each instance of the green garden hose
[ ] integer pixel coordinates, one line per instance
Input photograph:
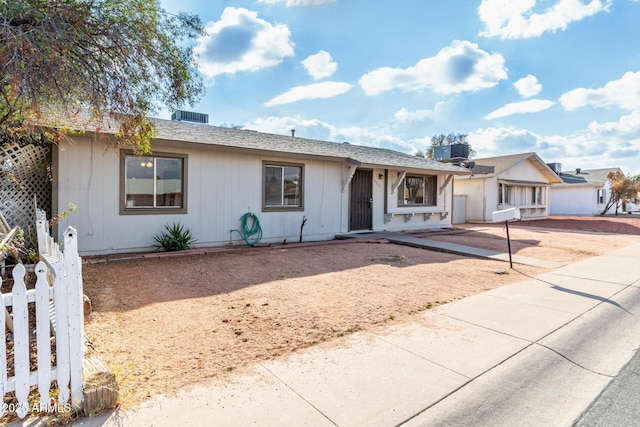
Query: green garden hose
(250, 233)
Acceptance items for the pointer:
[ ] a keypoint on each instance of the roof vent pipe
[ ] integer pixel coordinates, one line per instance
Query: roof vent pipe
(293, 133)
(577, 171)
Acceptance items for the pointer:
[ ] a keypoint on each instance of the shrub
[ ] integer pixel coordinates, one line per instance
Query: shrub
(176, 237)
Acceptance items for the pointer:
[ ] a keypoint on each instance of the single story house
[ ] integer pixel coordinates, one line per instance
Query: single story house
(206, 178)
(495, 183)
(581, 192)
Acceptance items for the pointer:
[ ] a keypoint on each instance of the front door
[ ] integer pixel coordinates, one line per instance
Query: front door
(360, 216)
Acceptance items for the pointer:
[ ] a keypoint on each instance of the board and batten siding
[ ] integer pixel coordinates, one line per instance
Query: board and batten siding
(221, 187)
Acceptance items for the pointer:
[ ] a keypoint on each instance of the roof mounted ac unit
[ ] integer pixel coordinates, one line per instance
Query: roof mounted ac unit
(190, 116)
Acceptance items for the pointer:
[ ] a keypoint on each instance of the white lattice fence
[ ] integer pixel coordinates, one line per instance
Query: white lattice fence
(25, 172)
(58, 303)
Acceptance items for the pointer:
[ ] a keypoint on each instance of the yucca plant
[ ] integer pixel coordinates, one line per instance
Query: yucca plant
(176, 237)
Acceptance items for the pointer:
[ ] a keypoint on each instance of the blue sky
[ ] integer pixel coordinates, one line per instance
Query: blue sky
(558, 77)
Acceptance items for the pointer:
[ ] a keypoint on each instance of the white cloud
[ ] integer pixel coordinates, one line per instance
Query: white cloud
(511, 19)
(289, 3)
(460, 67)
(528, 86)
(313, 91)
(305, 128)
(240, 41)
(405, 116)
(531, 106)
(376, 136)
(502, 141)
(600, 145)
(627, 125)
(623, 93)
(320, 65)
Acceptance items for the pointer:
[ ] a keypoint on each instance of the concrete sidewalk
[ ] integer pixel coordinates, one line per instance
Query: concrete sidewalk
(532, 353)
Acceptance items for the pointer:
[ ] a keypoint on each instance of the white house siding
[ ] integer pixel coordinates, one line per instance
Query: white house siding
(483, 193)
(573, 200)
(523, 171)
(475, 190)
(221, 187)
(579, 199)
(402, 219)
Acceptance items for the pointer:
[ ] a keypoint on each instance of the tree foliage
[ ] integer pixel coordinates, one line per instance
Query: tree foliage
(116, 59)
(442, 139)
(623, 189)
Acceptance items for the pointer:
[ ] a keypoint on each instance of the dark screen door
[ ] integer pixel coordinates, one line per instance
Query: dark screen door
(360, 217)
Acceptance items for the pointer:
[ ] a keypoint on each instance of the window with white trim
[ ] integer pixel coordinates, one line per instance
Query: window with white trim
(152, 184)
(536, 195)
(417, 190)
(601, 196)
(504, 194)
(282, 186)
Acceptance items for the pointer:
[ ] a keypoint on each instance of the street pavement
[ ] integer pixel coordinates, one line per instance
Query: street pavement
(618, 405)
(536, 353)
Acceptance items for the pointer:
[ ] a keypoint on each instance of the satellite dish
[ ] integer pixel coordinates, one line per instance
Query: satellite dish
(470, 165)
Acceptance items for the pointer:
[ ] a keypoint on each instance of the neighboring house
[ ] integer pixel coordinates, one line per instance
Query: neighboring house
(207, 177)
(582, 191)
(495, 183)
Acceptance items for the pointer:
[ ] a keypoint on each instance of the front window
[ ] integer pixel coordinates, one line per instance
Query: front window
(282, 187)
(504, 194)
(153, 184)
(536, 198)
(417, 190)
(601, 196)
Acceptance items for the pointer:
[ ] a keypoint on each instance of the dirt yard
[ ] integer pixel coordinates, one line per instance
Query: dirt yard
(165, 324)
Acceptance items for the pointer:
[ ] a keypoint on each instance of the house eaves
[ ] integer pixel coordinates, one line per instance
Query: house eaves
(289, 145)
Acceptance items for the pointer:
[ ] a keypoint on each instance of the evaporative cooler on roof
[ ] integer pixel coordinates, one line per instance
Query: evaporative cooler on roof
(190, 116)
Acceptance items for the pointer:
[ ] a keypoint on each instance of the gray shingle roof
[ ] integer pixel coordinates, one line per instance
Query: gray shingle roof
(170, 130)
(595, 177)
(248, 139)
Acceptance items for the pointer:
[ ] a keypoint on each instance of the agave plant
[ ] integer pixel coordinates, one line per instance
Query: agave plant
(176, 237)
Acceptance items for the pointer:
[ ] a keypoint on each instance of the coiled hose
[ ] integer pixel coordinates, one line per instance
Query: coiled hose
(251, 231)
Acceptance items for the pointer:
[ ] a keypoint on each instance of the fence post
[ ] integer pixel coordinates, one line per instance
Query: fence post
(41, 231)
(62, 328)
(3, 353)
(76, 316)
(43, 335)
(21, 340)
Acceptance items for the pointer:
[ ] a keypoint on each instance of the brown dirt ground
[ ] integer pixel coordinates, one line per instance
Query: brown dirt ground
(164, 324)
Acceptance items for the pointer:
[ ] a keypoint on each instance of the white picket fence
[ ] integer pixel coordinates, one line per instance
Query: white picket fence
(59, 312)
